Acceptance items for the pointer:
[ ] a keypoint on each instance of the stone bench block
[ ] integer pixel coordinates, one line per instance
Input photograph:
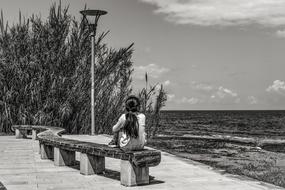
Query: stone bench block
(63, 157)
(40, 148)
(20, 134)
(34, 135)
(132, 175)
(46, 151)
(91, 164)
(134, 164)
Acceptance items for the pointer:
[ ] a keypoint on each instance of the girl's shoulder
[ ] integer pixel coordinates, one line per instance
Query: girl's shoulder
(141, 115)
(122, 117)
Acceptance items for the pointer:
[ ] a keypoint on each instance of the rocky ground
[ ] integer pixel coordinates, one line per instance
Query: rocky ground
(231, 156)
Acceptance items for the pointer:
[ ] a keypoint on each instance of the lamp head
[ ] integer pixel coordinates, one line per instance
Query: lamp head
(92, 16)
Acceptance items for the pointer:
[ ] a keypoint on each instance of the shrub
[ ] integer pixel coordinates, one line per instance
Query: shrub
(153, 100)
(45, 76)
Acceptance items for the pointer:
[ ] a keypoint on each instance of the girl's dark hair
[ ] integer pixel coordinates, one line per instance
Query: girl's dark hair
(131, 126)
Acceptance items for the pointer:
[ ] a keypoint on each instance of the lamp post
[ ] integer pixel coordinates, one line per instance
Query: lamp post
(92, 17)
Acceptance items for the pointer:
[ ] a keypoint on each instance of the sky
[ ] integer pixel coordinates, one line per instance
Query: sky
(208, 54)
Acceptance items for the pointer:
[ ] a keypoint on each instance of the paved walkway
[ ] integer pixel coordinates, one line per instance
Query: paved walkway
(22, 169)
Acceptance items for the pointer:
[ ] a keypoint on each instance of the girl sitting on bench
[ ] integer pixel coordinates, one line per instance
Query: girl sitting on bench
(129, 131)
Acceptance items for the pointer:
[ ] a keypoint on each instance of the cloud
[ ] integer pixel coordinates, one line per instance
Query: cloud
(222, 92)
(170, 97)
(224, 95)
(278, 86)
(280, 33)
(191, 100)
(276, 94)
(217, 94)
(166, 83)
(153, 70)
(269, 13)
(201, 86)
(252, 100)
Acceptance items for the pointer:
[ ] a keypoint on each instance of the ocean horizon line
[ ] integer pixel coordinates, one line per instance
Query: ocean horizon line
(226, 110)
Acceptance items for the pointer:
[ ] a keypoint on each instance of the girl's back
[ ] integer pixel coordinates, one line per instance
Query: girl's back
(131, 143)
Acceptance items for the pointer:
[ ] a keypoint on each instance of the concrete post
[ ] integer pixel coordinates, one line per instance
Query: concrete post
(34, 134)
(63, 157)
(20, 134)
(40, 148)
(90, 164)
(132, 175)
(46, 151)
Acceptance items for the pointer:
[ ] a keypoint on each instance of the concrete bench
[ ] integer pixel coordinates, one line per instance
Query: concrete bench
(21, 131)
(134, 164)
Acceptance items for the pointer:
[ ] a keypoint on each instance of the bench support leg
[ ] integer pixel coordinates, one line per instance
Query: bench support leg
(40, 148)
(90, 164)
(20, 134)
(132, 175)
(34, 134)
(46, 151)
(63, 157)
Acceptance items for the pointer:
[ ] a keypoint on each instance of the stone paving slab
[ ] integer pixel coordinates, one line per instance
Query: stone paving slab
(22, 169)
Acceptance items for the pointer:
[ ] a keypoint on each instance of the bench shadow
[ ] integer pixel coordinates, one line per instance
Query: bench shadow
(115, 175)
(76, 165)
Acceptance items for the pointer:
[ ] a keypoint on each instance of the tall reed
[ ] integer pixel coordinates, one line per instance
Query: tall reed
(153, 99)
(45, 74)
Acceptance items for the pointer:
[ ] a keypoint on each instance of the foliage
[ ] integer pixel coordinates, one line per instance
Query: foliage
(45, 74)
(153, 99)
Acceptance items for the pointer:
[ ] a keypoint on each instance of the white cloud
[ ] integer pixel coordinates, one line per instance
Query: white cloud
(191, 100)
(252, 100)
(216, 94)
(153, 70)
(166, 83)
(278, 86)
(223, 92)
(201, 86)
(269, 13)
(281, 33)
(224, 95)
(170, 97)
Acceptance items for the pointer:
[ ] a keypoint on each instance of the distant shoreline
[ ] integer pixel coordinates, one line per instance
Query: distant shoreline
(215, 110)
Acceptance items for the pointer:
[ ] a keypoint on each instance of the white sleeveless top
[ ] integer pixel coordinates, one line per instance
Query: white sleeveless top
(130, 143)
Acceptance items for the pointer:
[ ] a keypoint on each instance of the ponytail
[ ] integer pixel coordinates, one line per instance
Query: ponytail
(131, 127)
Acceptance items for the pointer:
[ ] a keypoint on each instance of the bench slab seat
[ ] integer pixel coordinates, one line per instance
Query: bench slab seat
(21, 131)
(140, 158)
(134, 164)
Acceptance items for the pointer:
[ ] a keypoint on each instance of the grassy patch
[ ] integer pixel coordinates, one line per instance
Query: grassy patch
(233, 158)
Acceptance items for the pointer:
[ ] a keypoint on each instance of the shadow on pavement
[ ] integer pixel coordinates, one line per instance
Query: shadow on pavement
(116, 175)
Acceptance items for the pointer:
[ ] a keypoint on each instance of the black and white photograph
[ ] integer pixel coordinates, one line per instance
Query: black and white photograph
(142, 94)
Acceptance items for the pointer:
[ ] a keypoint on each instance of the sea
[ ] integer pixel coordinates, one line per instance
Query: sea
(248, 123)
